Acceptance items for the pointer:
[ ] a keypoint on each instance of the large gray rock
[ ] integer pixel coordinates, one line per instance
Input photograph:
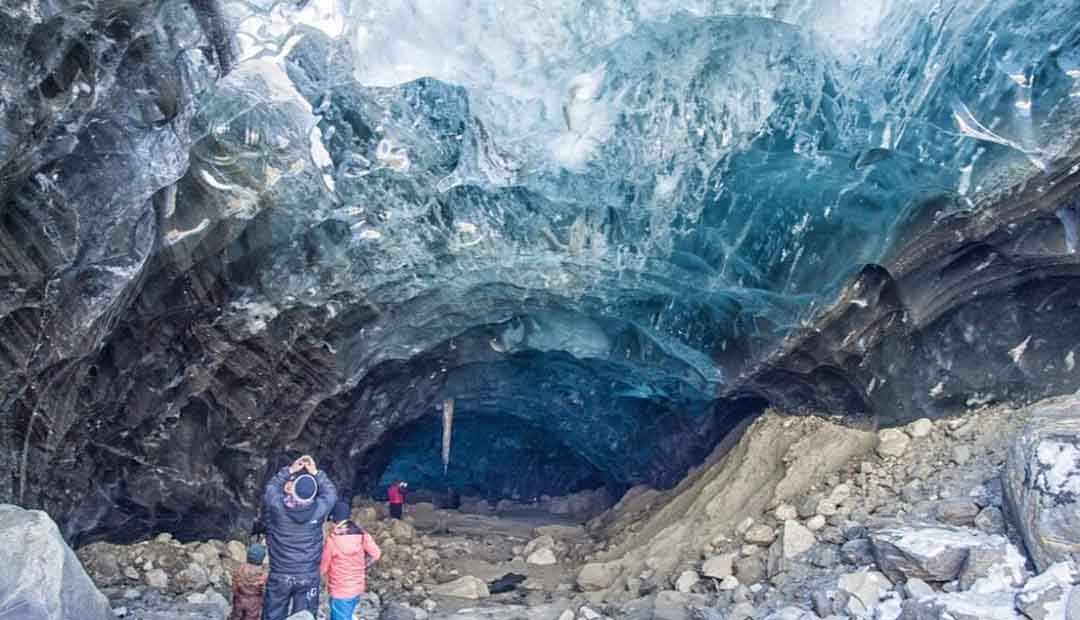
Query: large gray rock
(40, 577)
(598, 575)
(962, 606)
(1050, 596)
(467, 587)
(1042, 481)
(935, 553)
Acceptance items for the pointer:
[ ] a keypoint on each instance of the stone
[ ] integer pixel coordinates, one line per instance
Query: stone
(929, 553)
(236, 550)
(760, 534)
(956, 511)
(990, 520)
(824, 556)
(719, 566)
(892, 442)
(670, 605)
(402, 531)
(194, 577)
(394, 610)
(992, 567)
(821, 602)
(808, 507)
(795, 539)
(917, 588)
(545, 541)
(301, 615)
(920, 428)
(867, 587)
(544, 556)
(567, 615)
(131, 573)
(858, 552)
(598, 575)
(686, 581)
(750, 569)
(792, 613)
(467, 587)
(785, 512)
(163, 537)
(742, 611)
(961, 606)
(1041, 479)
(960, 455)
(156, 579)
(40, 576)
(816, 523)
(589, 613)
(1046, 596)
(728, 583)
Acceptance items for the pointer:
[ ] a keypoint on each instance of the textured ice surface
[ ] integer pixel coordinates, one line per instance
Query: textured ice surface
(578, 218)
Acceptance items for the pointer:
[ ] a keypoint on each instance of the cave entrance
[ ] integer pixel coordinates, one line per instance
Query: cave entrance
(491, 457)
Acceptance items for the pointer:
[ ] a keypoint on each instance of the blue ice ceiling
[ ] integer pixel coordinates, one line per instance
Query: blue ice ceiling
(662, 190)
(236, 230)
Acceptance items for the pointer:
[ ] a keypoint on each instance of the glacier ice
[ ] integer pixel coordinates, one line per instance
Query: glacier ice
(634, 204)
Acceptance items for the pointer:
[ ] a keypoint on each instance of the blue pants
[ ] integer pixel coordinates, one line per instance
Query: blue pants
(342, 608)
(302, 591)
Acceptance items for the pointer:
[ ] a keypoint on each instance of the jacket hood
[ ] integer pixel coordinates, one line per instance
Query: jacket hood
(301, 514)
(348, 544)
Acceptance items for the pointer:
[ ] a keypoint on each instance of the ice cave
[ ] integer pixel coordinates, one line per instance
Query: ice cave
(602, 234)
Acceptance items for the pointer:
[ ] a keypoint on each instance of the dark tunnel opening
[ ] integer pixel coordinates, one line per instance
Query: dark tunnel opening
(504, 455)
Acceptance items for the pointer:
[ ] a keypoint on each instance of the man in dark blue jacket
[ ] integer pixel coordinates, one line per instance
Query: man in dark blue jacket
(295, 505)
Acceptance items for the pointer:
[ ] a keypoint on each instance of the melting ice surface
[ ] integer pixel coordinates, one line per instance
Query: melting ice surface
(665, 186)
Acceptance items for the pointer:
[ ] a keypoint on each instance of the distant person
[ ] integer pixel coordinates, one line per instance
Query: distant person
(347, 554)
(396, 496)
(249, 585)
(295, 504)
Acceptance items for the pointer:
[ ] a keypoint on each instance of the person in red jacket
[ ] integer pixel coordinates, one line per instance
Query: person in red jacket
(347, 554)
(396, 494)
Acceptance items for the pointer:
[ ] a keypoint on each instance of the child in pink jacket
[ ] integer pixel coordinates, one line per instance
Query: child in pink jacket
(347, 554)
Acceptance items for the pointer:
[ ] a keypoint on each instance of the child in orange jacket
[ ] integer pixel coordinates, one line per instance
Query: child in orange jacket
(347, 554)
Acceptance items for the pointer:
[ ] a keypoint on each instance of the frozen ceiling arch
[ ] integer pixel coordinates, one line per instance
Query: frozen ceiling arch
(214, 250)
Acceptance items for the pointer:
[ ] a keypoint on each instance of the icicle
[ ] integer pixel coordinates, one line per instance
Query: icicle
(447, 427)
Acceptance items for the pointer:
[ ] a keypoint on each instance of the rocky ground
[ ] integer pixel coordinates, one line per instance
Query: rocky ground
(796, 518)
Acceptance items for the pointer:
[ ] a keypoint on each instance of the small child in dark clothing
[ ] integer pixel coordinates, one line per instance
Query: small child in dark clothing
(249, 583)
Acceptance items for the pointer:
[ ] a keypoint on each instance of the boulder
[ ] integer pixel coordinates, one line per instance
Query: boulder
(892, 442)
(867, 587)
(598, 575)
(397, 611)
(931, 553)
(40, 576)
(540, 542)
(792, 613)
(1042, 481)
(760, 534)
(795, 539)
(467, 587)
(402, 531)
(916, 588)
(990, 520)
(750, 570)
(670, 605)
(542, 557)
(1048, 596)
(956, 511)
(920, 428)
(236, 550)
(961, 606)
(686, 581)
(719, 566)
(157, 579)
